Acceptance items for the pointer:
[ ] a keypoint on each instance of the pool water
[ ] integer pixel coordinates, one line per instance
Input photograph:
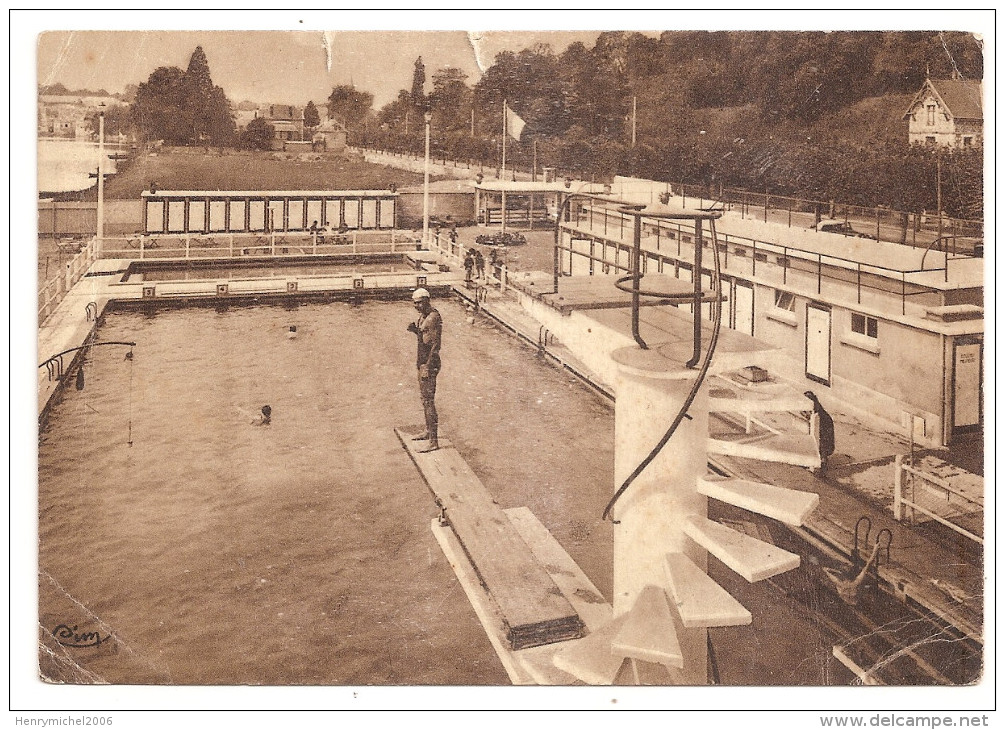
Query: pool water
(212, 551)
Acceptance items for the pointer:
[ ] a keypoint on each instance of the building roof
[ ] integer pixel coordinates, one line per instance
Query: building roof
(330, 125)
(282, 112)
(962, 99)
(526, 186)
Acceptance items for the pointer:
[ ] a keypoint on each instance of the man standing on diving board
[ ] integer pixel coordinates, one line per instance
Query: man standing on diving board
(427, 329)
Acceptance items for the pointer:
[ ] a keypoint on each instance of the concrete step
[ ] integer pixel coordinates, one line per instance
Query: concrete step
(648, 632)
(701, 601)
(780, 503)
(795, 449)
(747, 556)
(590, 659)
(741, 404)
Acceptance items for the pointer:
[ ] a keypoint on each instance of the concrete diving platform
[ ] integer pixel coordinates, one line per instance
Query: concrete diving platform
(600, 292)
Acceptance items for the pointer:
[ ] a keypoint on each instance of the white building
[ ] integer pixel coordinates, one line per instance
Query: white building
(893, 331)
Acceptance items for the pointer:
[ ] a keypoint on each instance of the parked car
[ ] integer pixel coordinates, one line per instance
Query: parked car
(502, 238)
(844, 228)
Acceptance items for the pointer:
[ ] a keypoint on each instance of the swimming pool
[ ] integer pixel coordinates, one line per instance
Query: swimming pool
(216, 552)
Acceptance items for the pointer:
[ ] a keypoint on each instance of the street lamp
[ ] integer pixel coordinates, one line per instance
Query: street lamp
(101, 173)
(425, 187)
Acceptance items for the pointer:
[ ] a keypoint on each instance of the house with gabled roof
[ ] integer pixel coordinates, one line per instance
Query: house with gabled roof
(946, 113)
(287, 120)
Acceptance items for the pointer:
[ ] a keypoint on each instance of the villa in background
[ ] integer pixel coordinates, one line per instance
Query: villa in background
(330, 136)
(287, 120)
(66, 115)
(947, 113)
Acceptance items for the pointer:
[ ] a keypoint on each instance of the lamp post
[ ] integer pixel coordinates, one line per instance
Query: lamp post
(101, 175)
(425, 187)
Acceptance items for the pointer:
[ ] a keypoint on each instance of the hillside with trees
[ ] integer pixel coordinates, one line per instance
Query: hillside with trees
(807, 114)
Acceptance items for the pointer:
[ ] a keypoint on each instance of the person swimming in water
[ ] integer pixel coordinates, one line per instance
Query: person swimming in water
(265, 418)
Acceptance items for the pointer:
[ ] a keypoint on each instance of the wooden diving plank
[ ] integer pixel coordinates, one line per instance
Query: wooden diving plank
(780, 503)
(701, 601)
(532, 606)
(648, 632)
(590, 659)
(590, 604)
(799, 450)
(485, 608)
(535, 665)
(753, 559)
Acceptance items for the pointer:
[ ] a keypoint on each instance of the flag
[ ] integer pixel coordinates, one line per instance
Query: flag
(514, 124)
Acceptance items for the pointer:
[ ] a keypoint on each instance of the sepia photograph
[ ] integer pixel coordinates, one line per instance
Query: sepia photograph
(630, 359)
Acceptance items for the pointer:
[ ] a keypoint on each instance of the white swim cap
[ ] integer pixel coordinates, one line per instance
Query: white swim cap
(419, 294)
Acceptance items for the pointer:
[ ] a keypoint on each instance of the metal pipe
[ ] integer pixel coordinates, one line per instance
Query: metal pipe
(696, 276)
(636, 276)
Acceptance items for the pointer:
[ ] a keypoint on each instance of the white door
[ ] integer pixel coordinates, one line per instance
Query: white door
(966, 385)
(818, 343)
(743, 308)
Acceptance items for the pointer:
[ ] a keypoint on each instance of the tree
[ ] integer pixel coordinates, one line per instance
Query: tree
(212, 120)
(258, 135)
(117, 121)
(183, 107)
(349, 105)
(159, 111)
(418, 85)
(450, 100)
(311, 116)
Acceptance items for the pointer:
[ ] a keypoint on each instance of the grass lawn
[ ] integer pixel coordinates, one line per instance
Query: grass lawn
(192, 169)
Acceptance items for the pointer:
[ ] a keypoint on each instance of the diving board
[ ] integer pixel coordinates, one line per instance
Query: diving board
(533, 608)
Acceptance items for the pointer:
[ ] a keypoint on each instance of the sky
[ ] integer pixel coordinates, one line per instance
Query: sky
(280, 66)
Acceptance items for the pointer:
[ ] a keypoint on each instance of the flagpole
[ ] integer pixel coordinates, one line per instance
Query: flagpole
(504, 141)
(503, 174)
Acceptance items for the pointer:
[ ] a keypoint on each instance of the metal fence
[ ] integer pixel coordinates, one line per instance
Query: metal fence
(913, 485)
(236, 245)
(51, 293)
(955, 235)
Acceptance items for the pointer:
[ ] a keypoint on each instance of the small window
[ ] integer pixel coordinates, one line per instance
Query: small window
(785, 300)
(968, 141)
(930, 141)
(863, 325)
(761, 257)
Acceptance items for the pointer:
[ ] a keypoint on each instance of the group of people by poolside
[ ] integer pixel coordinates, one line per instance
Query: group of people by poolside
(327, 232)
(474, 263)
